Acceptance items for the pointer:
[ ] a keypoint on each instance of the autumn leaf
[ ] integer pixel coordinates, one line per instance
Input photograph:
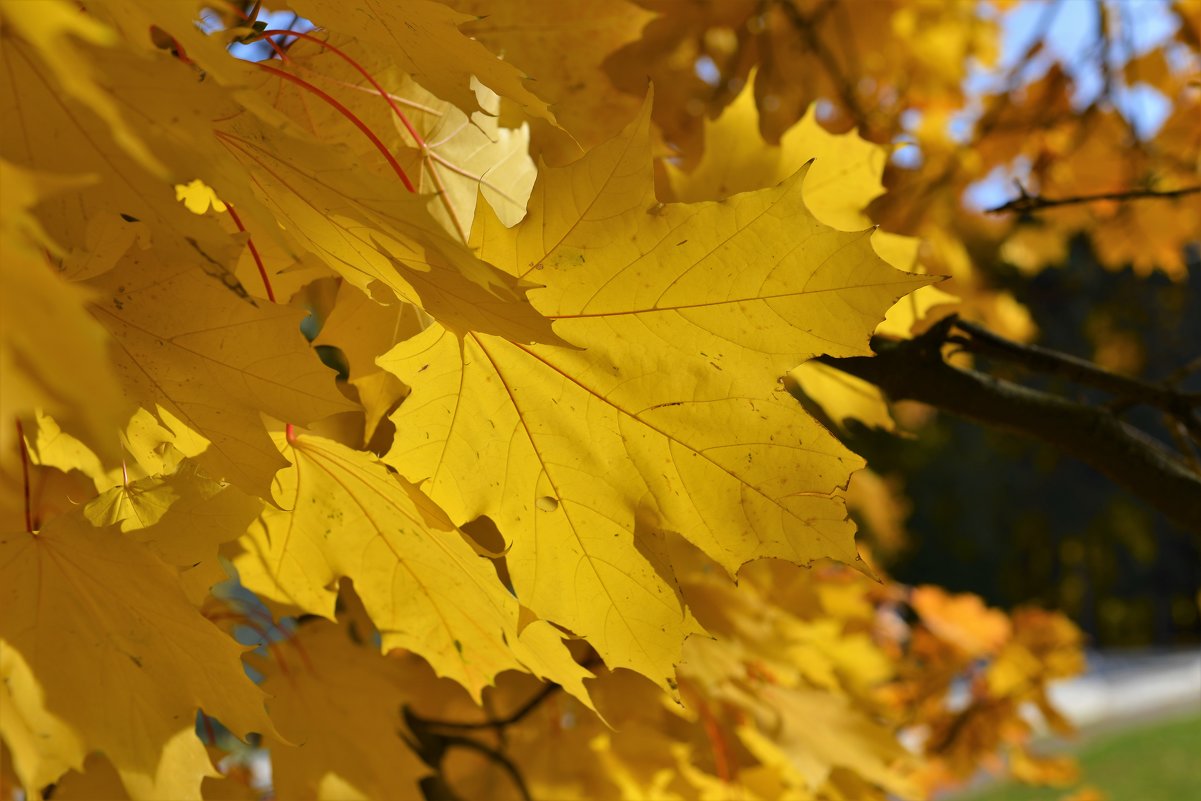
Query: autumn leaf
(183, 518)
(817, 733)
(961, 619)
(326, 698)
(366, 228)
(285, 186)
(425, 39)
(423, 585)
(102, 644)
(49, 130)
(54, 32)
(669, 396)
(563, 45)
(54, 356)
(191, 344)
(446, 153)
(845, 177)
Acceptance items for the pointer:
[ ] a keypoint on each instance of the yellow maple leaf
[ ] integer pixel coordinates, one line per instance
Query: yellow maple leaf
(562, 44)
(53, 355)
(116, 656)
(363, 329)
(815, 733)
(54, 30)
(845, 176)
(183, 518)
(1050, 771)
(424, 38)
(338, 705)
(451, 154)
(423, 585)
(288, 186)
(683, 316)
(841, 395)
(213, 359)
(366, 228)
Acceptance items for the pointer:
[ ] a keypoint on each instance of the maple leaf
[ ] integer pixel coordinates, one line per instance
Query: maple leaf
(366, 230)
(183, 518)
(191, 345)
(54, 356)
(447, 153)
(462, 158)
(817, 733)
(51, 131)
(423, 585)
(844, 179)
(426, 42)
(284, 185)
(326, 700)
(364, 329)
(563, 44)
(53, 32)
(101, 642)
(682, 315)
(962, 619)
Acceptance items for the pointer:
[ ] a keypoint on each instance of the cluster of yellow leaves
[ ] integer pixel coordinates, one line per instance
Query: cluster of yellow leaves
(1009, 662)
(1057, 139)
(562, 427)
(897, 70)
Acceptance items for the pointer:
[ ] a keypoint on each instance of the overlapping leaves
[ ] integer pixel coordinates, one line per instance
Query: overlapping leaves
(663, 414)
(598, 375)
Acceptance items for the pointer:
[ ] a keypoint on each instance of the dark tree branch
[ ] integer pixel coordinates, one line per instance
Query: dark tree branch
(430, 739)
(1025, 202)
(914, 370)
(498, 723)
(493, 755)
(1033, 358)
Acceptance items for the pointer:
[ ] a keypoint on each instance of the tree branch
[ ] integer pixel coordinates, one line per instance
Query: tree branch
(806, 26)
(1129, 390)
(498, 723)
(914, 370)
(1026, 202)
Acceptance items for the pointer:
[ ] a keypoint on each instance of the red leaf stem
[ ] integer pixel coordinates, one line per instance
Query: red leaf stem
(25, 476)
(258, 260)
(362, 71)
(350, 115)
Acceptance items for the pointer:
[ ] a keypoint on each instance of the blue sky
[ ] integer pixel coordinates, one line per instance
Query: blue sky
(1071, 40)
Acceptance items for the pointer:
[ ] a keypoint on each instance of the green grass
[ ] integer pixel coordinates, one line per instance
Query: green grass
(1151, 762)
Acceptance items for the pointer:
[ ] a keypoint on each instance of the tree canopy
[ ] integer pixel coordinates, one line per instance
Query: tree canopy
(407, 393)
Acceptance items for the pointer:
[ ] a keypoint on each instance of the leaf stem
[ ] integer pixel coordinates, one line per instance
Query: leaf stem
(350, 115)
(383, 93)
(25, 476)
(258, 260)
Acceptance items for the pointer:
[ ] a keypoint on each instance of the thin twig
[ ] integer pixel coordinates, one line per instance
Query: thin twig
(1027, 202)
(498, 723)
(493, 755)
(806, 26)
